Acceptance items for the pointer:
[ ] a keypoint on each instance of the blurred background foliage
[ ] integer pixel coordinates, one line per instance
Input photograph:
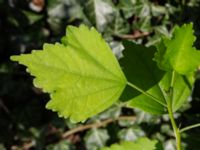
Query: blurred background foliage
(27, 24)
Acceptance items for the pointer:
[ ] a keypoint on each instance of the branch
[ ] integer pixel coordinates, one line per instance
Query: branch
(190, 127)
(136, 35)
(96, 125)
(28, 145)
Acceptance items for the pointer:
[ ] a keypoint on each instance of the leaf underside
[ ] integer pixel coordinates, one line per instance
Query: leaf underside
(140, 144)
(82, 75)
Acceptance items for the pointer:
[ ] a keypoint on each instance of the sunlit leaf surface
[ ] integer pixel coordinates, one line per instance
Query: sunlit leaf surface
(83, 77)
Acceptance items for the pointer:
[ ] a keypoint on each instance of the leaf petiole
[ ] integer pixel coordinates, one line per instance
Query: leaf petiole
(174, 126)
(190, 127)
(170, 112)
(145, 93)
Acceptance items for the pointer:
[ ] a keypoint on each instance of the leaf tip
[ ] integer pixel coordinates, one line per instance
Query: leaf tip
(14, 58)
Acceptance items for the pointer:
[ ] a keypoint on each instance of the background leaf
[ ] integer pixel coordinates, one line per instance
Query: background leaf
(140, 144)
(65, 145)
(99, 12)
(96, 138)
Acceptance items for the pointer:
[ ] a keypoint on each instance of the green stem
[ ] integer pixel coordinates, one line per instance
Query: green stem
(190, 127)
(176, 130)
(170, 112)
(172, 80)
(145, 93)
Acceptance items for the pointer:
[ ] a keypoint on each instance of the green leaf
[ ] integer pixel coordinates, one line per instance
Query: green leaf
(59, 16)
(83, 76)
(178, 53)
(93, 11)
(109, 21)
(143, 12)
(65, 145)
(151, 80)
(32, 17)
(96, 138)
(140, 144)
(131, 133)
(181, 89)
(142, 72)
(127, 7)
(2, 147)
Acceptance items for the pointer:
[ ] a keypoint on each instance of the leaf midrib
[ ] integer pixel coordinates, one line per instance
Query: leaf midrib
(93, 110)
(92, 58)
(74, 73)
(93, 92)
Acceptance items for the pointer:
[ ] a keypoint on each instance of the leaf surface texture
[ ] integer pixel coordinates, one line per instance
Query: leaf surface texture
(82, 76)
(178, 53)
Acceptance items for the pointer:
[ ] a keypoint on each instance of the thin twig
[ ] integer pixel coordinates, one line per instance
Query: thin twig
(146, 93)
(134, 36)
(3, 106)
(95, 125)
(190, 127)
(28, 145)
